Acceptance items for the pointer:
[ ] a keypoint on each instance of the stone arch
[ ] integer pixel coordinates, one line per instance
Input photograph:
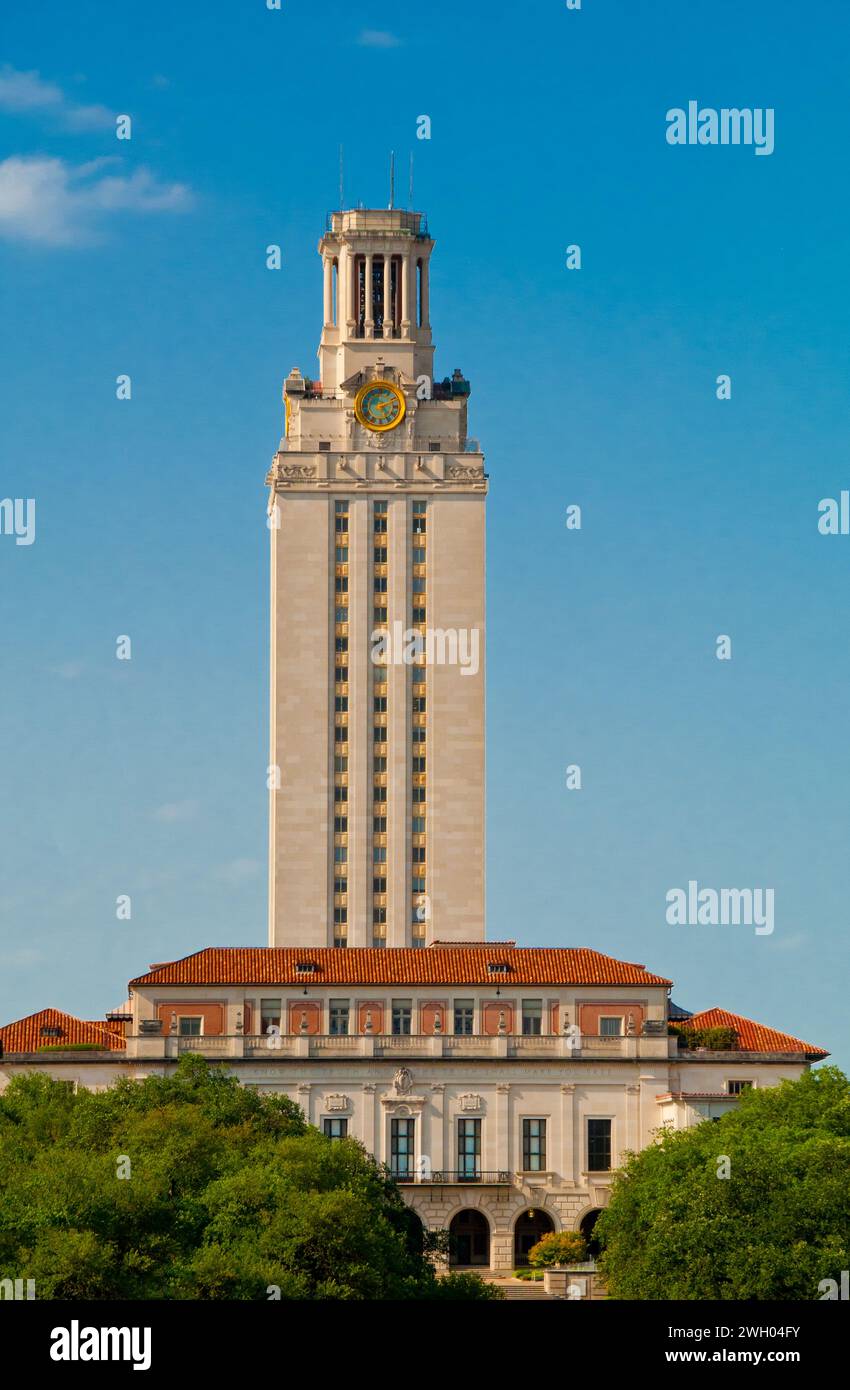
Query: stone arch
(585, 1221)
(470, 1233)
(530, 1224)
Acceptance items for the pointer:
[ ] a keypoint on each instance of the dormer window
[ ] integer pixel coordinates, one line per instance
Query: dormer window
(498, 967)
(305, 967)
(51, 1031)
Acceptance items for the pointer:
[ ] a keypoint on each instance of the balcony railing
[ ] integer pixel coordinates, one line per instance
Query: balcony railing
(451, 1178)
(395, 1047)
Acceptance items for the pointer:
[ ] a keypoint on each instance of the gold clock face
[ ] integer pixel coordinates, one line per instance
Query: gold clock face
(379, 406)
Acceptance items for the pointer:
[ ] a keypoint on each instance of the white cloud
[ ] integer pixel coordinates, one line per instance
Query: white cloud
(238, 870)
(378, 38)
(176, 811)
(68, 670)
(47, 200)
(27, 93)
(21, 957)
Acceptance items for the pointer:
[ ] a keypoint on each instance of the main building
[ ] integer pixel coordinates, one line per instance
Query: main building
(500, 1084)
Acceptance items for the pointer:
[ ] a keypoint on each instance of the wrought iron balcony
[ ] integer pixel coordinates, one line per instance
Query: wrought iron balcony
(444, 1177)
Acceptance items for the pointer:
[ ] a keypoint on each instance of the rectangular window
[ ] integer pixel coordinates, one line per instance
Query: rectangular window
(419, 704)
(340, 852)
(379, 825)
(418, 853)
(379, 704)
(335, 1128)
(340, 827)
(342, 555)
(338, 1018)
(190, 1026)
(533, 1146)
(418, 795)
(269, 1014)
(379, 584)
(532, 1017)
(379, 916)
(379, 854)
(417, 885)
(340, 794)
(468, 1150)
(379, 793)
(380, 554)
(340, 885)
(418, 825)
(340, 943)
(341, 704)
(402, 1012)
(464, 1016)
(340, 916)
(598, 1146)
(402, 1138)
(379, 764)
(734, 1088)
(379, 885)
(420, 557)
(611, 1026)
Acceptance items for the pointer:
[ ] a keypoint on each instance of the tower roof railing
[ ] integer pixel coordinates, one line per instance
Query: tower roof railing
(369, 220)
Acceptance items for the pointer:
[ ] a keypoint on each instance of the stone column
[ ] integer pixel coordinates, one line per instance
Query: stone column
(426, 293)
(388, 297)
(369, 322)
(348, 290)
(406, 263)
(328, 291)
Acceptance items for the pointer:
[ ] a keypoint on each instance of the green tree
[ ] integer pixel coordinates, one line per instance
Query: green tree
(558, 1248)
(678, 1227)
(190, 1186)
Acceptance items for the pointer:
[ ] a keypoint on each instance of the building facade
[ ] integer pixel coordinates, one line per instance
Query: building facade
(376, 513)
(501, 1085)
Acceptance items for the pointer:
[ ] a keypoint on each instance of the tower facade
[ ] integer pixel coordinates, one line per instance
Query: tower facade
(377, 523)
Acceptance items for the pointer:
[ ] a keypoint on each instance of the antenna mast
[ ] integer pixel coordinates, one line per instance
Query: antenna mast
(341, 186)
(392, 178)
(411, 181)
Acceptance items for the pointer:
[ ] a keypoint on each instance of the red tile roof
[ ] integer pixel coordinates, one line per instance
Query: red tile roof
(436, 965)
(752, 1037)
(26, 1036)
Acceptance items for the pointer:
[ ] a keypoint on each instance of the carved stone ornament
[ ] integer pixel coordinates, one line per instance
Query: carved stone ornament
(403, 1080)
(337, 1101)
(460, 470)
(298, 470)
(470, 1101)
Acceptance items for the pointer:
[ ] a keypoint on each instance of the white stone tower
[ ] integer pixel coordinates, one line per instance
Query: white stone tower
(377, 630)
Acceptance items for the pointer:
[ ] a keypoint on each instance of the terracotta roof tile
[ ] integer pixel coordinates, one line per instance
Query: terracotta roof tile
(26, 1036)
(752, 1037)
(467, 965)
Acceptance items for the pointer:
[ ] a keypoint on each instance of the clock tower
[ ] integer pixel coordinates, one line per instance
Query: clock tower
(376, 516)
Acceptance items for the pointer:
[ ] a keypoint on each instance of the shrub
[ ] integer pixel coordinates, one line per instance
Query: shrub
(558, 1248)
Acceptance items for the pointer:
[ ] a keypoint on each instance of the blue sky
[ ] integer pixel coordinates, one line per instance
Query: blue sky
(594, 387)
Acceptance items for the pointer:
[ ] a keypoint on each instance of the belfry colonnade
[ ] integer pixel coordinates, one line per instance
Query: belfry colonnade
(384, 295)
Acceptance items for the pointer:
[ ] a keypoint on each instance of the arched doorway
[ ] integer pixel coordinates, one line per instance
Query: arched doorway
(469, 1238)
(530, 1226)
(588, 1222)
